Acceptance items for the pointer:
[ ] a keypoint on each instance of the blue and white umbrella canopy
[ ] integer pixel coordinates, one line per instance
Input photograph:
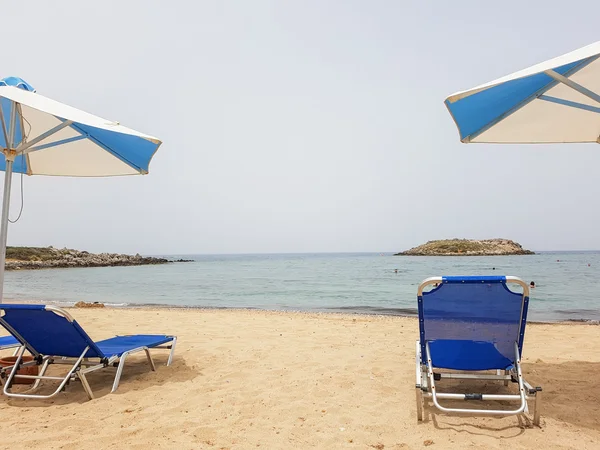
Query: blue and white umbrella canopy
(40, 136)
(51, 138)
(557, 101)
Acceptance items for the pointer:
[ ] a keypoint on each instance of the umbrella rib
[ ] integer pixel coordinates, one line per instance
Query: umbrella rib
(23, 148)
(575, 86)
(55, 143)
(569, 103)
(21, 122)
(3, 124)
(13, 125)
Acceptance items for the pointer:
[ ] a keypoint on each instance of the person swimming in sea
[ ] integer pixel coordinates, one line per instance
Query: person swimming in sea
(532, 285)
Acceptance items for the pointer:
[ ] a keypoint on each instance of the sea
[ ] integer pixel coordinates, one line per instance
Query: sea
(567, 283)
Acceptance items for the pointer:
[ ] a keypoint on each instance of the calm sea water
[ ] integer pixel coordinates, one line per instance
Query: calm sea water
(568, 284)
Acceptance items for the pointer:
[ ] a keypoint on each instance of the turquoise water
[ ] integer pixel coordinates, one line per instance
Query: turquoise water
(566, 289)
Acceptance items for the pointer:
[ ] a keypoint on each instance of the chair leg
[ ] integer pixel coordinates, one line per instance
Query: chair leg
(150, 360)
(119, 372)
(537, 408)
(419, 381)
(124, 357)
(506, 372)
(86, 385)
(172, 351)
(419, 404)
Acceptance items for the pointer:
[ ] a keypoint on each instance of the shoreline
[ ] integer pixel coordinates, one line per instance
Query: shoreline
(352, 312)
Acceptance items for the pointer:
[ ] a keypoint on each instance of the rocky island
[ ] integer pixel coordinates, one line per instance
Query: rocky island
(18, 258)
(467, 247)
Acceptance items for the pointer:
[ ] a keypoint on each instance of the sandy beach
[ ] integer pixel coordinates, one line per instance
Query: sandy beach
(274, 380)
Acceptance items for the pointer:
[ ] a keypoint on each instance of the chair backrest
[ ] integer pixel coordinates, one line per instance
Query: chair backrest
(479, 309)
(47, 330)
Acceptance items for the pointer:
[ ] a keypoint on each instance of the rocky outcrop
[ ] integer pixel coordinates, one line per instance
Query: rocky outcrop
(468, 247)
(19, 258)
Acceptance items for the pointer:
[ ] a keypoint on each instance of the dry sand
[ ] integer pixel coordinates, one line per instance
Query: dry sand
(256, 379)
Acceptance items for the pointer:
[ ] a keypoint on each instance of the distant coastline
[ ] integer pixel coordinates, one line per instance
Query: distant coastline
(467, 247)
(31, 258)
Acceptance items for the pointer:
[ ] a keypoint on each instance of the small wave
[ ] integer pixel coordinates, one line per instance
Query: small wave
(179, 306)
(588, 321)
(375, 310)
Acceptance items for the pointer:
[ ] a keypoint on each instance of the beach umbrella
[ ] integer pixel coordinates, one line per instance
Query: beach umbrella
(556, 101)
(40, 136)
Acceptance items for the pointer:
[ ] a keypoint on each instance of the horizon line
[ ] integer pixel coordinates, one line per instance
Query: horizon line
(383, 253)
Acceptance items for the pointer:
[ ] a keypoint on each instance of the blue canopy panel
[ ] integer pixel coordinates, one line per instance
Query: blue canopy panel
(475, 113)
(17, 82)
(471, 323)
(135, 151)
(6, 110)
(7, 107)
(19, 166)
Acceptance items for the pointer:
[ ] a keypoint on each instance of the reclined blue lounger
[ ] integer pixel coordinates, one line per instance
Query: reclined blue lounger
(470, 325)
(8, 342)
(52, 336)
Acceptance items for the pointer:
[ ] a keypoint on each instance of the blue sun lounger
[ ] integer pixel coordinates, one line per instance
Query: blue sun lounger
(52, 336)
(8, 342)
(472, 325)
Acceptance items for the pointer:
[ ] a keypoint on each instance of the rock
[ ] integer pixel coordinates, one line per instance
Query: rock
(467, 247)
(44, 258)
(89, 305)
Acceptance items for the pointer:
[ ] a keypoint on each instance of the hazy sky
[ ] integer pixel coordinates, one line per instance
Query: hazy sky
(300, 126)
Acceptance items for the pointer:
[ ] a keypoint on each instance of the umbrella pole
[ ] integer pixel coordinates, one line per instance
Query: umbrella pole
(9, 155)
(4, 225)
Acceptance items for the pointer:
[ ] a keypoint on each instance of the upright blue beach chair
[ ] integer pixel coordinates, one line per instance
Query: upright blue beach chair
(52, 336)
(472, 325)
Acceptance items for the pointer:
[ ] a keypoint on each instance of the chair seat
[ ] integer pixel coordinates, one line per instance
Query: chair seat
(467, 355)
(118, 345)
(8, 341)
